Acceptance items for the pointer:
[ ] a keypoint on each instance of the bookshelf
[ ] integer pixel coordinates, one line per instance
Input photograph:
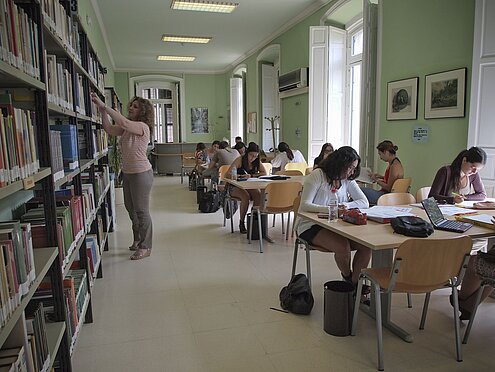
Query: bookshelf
(53, 155)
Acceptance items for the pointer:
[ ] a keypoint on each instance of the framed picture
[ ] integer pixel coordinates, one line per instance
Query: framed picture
(402, 99)
(199, 120)
(251, 122)
(445, 94)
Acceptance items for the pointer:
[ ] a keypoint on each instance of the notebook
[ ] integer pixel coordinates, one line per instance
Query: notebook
(438, 220)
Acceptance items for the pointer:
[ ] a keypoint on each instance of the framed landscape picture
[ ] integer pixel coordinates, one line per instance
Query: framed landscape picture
(402, 99)
(445, 94)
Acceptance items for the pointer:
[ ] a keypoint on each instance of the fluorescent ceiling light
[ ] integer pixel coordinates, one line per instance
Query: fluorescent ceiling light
(204, 6)
(176, 58)
(186, 39)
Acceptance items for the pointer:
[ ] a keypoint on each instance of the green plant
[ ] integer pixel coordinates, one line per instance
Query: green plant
(115, 158)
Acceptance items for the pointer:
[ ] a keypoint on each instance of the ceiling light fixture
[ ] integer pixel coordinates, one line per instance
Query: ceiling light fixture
(186, 39)
(204, 6)
(176, 58)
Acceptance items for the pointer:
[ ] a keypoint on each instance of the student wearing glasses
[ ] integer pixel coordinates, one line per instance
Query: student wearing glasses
(460, 180)
(247, 166)
(334, 178)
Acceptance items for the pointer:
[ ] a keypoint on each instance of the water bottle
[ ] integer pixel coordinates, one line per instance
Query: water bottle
(333, 206)
(234, 173)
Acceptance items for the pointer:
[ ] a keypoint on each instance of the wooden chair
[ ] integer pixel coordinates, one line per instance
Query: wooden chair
(301, 166)
(292, 172)
(308, 170)
(188, 161)
(268, 168)
(222, 171)
(401, 185)
(301, 242)
(422, 194)
(420, 266)
(279, 198)
(396, 198)
(229, 199)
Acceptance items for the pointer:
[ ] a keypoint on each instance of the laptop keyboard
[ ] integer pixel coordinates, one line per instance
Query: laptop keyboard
(457, 225)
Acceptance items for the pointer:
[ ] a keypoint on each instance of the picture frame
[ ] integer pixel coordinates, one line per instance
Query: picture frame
(251, 122)
(402, 99)
(445, 94)
(199, 119)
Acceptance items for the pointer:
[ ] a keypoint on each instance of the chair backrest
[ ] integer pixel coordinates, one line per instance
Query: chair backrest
(422, 194)
(292, 172)
(281, 195)
(188, 159)
(427, 264)
(268, 168)
(396, 198)
(308, 170)
(222, 171)
(401, 185)
(301, 166)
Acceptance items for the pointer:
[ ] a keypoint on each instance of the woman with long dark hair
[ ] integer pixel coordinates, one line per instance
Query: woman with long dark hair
(246, 166)
(460, 180)
(135, 132)
(334, 179)
(286, 155)
(326, 150)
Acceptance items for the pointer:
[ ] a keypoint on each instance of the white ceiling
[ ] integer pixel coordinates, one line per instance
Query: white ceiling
(133, 31)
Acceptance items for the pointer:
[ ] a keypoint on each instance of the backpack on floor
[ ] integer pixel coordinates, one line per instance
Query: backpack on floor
(296, 297)
(209, 202)
(193, 180)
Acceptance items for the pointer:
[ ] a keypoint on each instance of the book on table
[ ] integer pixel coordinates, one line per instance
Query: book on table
(484, 220)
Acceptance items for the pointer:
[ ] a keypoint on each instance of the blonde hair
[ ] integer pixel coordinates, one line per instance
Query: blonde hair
(146, 112)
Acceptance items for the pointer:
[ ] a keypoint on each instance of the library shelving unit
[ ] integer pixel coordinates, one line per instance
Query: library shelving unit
(54, 179)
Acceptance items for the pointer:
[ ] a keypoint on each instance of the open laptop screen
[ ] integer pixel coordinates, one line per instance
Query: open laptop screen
(434, 213)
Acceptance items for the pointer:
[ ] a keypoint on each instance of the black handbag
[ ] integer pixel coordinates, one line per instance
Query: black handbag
(296, 297)
(209, 202)
(412, 226)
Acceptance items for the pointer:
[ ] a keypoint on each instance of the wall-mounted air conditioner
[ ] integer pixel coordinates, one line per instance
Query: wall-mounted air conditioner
(294, 79)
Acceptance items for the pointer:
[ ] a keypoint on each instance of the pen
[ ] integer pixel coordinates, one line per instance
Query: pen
(457, 194)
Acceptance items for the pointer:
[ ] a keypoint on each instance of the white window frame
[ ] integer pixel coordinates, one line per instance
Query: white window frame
(162, 102)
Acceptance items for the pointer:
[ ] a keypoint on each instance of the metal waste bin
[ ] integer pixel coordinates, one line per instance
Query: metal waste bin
(338, 307)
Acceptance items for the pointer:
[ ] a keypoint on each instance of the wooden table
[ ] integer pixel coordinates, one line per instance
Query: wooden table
(381, 239)
(261, 185)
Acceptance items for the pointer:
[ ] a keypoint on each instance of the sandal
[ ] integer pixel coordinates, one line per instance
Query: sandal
(242, 227)
(141, 253)
(134, 246)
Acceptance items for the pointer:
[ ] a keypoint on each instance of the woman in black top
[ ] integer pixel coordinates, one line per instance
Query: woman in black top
(326, 150)
(247, 166)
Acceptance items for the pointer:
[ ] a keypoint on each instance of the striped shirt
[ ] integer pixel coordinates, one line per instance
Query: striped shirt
(134, 147)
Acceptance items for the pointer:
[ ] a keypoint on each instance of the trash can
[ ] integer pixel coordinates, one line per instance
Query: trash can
(264, 225)
(338, 307)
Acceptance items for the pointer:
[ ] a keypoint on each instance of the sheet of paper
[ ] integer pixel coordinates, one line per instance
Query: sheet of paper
(364, 175)
(452, 210)
(257, 179)
(387, 211)
(469, 203)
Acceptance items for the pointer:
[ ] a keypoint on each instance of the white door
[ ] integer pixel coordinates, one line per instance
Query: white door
(482, 109)
(269, 95)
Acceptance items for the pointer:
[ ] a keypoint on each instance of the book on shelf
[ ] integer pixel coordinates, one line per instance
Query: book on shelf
(40, 238)
(59, 82)
(93, 252)
(36, 328)
(11, 296)
(19, 44)
(68, 138)
(56, 153)
(79, 95)
(14, 359)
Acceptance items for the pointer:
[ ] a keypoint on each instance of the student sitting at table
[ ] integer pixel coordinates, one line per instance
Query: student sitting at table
(326, 150)
(334, 177)
(247, 166)
(460, 181)
(286, 155)
(387, 152)
(201, 156)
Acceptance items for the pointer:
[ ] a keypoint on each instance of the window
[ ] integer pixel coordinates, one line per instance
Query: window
(161, 99)
(354, 63)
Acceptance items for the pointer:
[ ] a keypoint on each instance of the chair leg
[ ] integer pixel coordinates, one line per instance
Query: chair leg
(308, 263)
(409, 301)
(287, 227)
(471, 319)
(224, 209)
(182, 176)
(425, 311)
(273, 225)
(294, 258)
(378, 315)
(457, 325)
(231, 203)
(250, 232)
(283, 224)
(293, 225)
(260, 231)
(356, 307)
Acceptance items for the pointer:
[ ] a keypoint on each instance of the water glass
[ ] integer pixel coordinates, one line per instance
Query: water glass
(333, 211)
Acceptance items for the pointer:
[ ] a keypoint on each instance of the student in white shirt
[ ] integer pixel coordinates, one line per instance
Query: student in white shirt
(286, 155)
(334, 178)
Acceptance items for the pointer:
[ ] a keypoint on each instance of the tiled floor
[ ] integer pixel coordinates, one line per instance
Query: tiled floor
(202, 302)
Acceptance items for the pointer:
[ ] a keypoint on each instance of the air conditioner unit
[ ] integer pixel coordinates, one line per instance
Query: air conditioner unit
(294, 79)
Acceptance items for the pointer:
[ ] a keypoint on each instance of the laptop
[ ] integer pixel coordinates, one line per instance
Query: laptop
(439, 222)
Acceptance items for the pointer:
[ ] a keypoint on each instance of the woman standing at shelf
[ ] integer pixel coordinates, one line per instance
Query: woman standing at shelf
(135, 133)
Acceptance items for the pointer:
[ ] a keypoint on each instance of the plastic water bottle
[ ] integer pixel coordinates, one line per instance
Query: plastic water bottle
(234, 173)
(333, 206)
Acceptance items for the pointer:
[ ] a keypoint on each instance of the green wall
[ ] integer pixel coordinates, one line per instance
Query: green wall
(441, 41)
(86, 12)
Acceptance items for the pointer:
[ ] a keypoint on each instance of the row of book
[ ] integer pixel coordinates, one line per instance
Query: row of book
(99, 141)
(63, 26)
(70, 151)
(18, 146)
(76, 294)
(102, 180)
(95, 72)
(19, 44)
(59, 82)
(93, 253)
(79, 95)
(17, 269)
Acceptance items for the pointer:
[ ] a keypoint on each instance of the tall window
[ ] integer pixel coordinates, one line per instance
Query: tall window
(164, 120)
(354, 63)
